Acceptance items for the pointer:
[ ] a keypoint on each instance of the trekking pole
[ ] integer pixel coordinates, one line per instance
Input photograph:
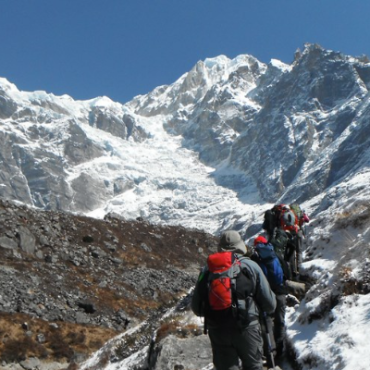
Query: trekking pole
(297, 263)
(269, 340)
(297, 252)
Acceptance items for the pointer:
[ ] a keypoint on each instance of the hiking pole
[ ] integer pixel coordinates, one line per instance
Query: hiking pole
(269, 340)
(297, 252)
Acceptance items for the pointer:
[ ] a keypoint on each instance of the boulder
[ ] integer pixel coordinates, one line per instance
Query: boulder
(192, 353)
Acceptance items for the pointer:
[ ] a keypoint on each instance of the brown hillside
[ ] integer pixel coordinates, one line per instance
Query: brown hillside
(69, 283)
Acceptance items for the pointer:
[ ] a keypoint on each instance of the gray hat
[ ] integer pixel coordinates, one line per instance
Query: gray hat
(232, 241)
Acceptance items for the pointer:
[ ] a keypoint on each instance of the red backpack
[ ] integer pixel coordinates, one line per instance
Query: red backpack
(289, 221)
(228, 290)
(286, 219)
(224, 268)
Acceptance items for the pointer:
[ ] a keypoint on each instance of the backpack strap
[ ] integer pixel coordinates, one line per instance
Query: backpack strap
(246, 272)
(231, 272)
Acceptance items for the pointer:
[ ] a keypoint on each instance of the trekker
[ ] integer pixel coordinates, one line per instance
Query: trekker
(284, 227)
(275, 272)
(297, 239)
(235, 333)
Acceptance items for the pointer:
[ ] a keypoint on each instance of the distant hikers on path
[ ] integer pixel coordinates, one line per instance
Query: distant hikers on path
(241, 294)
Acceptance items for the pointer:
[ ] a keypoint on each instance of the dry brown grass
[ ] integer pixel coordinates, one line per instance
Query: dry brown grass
(173, 326)
(349, 284)
(356, 217)
(61, 343)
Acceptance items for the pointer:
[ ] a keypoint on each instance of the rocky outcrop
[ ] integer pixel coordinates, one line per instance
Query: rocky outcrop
(60, 252)
(191, 353)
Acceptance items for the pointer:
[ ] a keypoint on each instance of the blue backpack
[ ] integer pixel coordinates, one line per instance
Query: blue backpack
(270, 265)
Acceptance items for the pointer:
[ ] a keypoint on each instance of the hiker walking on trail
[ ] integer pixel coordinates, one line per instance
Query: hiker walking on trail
(272, 267)
(230, 293)
(284, 227)
(302, 218)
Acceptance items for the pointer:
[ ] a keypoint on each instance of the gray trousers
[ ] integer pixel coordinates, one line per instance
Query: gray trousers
(266, 349)
(279, 322)
(231, 344)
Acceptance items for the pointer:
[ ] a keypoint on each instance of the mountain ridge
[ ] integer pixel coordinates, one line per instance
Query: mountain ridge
(283, 131)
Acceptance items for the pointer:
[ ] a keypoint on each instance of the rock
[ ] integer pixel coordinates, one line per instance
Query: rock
(145, 247)
(25, 326)
(98, 252)
(117, 261)
(88, 307)
(31, 363)
(82, 318)
(192, 353)
(87, 239)
(41, 338)
(8, 243)
(110, 246)
(296, 288)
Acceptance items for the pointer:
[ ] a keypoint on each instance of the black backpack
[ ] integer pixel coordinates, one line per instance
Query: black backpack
(270, 221)
(273, 218)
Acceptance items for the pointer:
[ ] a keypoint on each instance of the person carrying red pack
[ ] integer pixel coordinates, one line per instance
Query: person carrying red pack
(230, 294)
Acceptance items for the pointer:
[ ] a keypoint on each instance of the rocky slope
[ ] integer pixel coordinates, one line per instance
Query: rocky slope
(69, 283)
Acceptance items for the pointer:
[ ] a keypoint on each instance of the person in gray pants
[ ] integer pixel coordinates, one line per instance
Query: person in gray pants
(236, 339)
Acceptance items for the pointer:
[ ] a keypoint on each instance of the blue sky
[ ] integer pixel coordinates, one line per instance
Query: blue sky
(123, 48)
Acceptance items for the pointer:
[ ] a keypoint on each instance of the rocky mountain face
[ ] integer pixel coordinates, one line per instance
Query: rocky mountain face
(41, 139)
(282, 132)
(80, 281)
(290, 128)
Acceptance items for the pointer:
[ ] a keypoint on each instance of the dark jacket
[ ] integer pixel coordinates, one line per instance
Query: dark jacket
(262, 299)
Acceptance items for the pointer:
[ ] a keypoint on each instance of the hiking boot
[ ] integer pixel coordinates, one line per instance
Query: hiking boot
(264, 360)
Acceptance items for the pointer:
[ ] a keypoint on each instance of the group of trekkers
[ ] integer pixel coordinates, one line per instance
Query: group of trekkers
(241, 292)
